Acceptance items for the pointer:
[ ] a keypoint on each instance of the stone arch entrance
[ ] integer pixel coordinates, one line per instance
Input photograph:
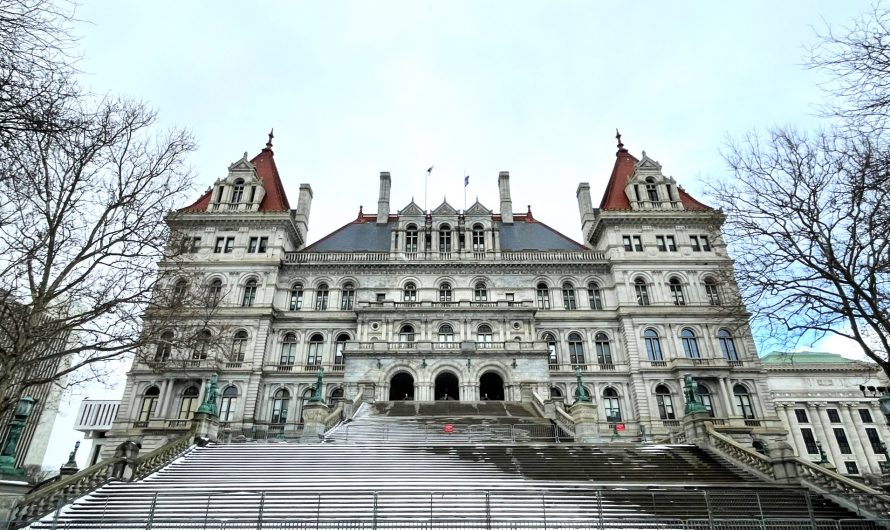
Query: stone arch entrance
(447, 387)
(401, 387)
(491, 387)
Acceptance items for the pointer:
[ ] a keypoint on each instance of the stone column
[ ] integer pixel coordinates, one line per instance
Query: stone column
(314, 413)
(856, 437)
(793, 429)
(727, 397)
(829, 444)
(585, 416)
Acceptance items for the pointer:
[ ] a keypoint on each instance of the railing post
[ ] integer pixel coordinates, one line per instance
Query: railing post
(810, 512)
(259, 515)
(599, 508)
(374, 514)
(544, 508)
(760, 510)
(488, 511)
(710, 512)
(151, 511)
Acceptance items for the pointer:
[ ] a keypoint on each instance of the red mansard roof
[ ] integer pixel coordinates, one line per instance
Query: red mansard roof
(614, 198)
(275, 199)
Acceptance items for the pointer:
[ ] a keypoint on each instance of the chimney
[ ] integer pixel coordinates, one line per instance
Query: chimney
(301, 214)
(585, 208)
(383, 201)
(506, 203)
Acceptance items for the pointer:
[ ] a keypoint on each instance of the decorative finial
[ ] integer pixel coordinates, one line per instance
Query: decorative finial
(271, 135)
(618, 137)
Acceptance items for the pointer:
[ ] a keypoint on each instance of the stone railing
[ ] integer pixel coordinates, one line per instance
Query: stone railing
(538, 404)
(565, 422)
(356, 347)
(847, 492)
(463, 255)
(45, 500)
(748, 458)
(335, 417)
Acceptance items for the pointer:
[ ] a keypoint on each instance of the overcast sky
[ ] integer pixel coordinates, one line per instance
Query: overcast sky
(534, 88)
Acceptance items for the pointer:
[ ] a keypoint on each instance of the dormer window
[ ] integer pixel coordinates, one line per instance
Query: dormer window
(238, 191)
(651, 189)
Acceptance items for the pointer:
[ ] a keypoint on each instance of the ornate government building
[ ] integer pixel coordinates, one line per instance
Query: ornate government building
(474, 305)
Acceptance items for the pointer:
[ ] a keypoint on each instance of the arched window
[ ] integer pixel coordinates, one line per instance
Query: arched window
(165, 347)
(612, 405)
(249, 293)
(313, 355)
(445, 292)
(690, 344)
(568, 296)
(712, 291)
(289, 349)
(480, 293)
(478, 238)
(321, 297)
(411, 238)
(296, 297)
(202, 343)
(337, 393)
(651, 190)
(653, 345)
(665, 403)
(727, 345)
(149, 403)
(338, 348)
(551, 348)
(543, 293)
(594, 295)
(446, 333)
(228, 404)
(406, 333)
(576, 351)
(237, 191)
(188, 403)
(484, 334)
(705, 394)
(280, 401)
(743, 403)
(555, 392)
(347, 297)
(445, 238)
(214, 292)
(180, 289)
(676, 291)
(642, 291)
(239, 346)
(410, 292)
(603, 349)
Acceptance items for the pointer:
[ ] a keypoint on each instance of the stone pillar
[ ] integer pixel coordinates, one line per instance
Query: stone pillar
(695, 426)
(585, 416)
(781, 455)
(126, 455)
(314, 413)
(855, 437)
(206, 428)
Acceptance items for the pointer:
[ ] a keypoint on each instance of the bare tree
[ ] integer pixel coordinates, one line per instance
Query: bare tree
(83, 227)
(808, 219)
(856, 58)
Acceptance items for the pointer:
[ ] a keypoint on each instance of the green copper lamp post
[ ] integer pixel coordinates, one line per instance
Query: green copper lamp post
(16, 426)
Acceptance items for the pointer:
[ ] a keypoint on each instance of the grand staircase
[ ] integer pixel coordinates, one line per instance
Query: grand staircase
(400, 467)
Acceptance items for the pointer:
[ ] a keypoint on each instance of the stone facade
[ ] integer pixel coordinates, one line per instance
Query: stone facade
(500, 303)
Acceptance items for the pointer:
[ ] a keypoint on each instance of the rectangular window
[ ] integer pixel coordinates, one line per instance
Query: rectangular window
(671, 243)
(230, 245)
(852, 469)
(865, 416)
(659, 242)
(252, 244)
(833, 415)
(705, 246)
(638, 243)
(264, 242)
(218, 247)
(694, 241)
(841, 436)
(510, 297)
(874, 440)
(801, 415)
(666, 243)
(380, 297)
(190, 245)
(809, 440)
(628, 245)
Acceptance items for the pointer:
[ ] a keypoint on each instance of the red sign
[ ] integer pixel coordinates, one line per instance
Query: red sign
(449, 428)
(619, 426)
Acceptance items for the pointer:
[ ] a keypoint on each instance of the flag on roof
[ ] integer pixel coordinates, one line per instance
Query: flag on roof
(466, 181)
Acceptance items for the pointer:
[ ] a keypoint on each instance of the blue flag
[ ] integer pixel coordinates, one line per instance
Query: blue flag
(466, 181)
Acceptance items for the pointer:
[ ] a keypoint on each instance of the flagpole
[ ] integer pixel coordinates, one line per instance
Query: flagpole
(465, 191)
(426, 180)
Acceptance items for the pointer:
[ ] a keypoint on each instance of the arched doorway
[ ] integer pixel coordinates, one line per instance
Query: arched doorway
(447, 387)
(491, 387)
(401, 387)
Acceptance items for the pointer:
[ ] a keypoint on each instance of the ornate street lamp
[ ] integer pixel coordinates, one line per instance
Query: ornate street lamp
(16, 426)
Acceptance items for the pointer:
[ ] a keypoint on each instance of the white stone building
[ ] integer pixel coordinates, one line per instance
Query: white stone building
(825, 399)
(471, 305)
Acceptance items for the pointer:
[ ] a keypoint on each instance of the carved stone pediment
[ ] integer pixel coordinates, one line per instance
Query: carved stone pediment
(478, 209)
(411, 209)
(444, 209)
